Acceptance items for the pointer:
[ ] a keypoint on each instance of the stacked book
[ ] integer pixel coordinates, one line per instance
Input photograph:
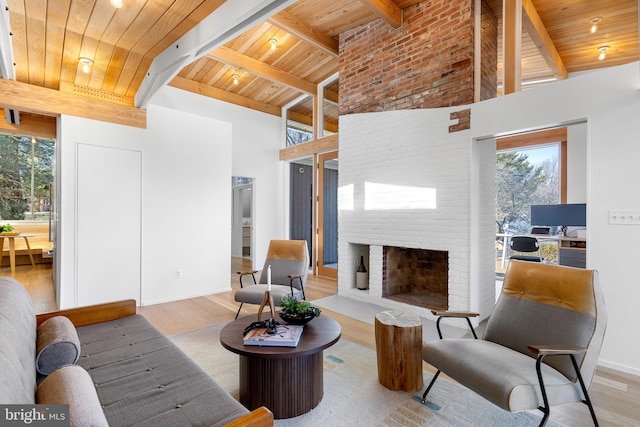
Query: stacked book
(284, 336)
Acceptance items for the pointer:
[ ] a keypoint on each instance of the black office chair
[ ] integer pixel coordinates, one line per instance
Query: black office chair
(525, 244)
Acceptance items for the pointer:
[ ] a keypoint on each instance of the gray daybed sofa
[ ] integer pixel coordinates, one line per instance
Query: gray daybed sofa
(136, 376)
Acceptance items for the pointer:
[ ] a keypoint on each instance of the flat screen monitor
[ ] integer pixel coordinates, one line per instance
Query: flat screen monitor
(574, 214)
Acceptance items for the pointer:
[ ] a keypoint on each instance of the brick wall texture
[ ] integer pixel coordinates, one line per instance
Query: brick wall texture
(426, 63)
(489, 54)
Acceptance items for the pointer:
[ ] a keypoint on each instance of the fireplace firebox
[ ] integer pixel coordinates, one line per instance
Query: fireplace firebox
(418, 277)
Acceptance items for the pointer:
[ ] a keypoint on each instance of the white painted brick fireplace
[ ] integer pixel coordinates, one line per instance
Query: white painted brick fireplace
(412, 152)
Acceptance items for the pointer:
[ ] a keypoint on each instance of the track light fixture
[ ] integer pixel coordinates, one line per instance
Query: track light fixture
(236, 79)
(274, 44)
(116, 3)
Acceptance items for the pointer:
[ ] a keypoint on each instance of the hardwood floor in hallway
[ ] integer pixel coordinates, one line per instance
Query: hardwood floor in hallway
(615, 394)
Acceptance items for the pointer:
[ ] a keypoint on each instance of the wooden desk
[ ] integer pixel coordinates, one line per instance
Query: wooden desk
(12, 248)
(287, 380)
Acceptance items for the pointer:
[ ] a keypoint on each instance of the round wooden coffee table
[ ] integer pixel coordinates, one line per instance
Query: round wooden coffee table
(287, 380)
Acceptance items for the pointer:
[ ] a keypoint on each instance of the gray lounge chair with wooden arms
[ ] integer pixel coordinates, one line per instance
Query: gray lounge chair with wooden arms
(541, 344)
(289, 261)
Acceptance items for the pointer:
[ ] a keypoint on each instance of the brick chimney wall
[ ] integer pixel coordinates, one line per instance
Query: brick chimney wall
(489, 54)
(426, 63)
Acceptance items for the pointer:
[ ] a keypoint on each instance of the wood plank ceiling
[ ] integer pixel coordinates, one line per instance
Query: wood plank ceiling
(568, 23)
(49, 37)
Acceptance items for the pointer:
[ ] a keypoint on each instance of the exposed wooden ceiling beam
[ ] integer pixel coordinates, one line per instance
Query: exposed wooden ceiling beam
(534, 26)
(532, 138)
(36, 99)
(331, 96)
(231, 19)
(305, 119)
(259, 68)
(30, 125)
(223, 95)
(512, 34)
(387, 10)
(291, 24)
(329, 143)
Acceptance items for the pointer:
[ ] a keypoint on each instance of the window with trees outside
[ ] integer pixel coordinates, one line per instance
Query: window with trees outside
(525, 177)
(26, 180)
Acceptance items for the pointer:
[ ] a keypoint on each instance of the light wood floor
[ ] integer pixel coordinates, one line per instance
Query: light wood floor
(616, 395)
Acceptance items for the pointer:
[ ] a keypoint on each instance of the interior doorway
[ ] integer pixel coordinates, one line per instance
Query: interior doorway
(242, 193)
(301, 198)
(314, 210)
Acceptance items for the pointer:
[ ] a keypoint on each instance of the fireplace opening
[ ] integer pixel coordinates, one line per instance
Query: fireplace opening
(417, 277)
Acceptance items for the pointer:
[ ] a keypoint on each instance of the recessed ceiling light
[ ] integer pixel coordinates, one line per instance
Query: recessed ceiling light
(594, 23)
(86, 64)
(602, 50)
(116, 3)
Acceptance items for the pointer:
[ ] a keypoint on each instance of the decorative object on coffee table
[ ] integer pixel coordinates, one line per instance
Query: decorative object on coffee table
(297, 312)
(268, 298)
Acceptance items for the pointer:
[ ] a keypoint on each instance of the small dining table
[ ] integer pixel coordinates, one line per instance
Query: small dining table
(12, 248)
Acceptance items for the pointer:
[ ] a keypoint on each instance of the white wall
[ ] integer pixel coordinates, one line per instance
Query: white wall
(186, 211)
(190, 149)
(256, 144)
(609, 101)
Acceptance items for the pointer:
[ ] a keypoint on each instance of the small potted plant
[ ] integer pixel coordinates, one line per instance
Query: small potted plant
(297, 312)
(8, 230)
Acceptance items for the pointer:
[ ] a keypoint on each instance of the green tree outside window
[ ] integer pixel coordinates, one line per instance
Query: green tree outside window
(22, 158)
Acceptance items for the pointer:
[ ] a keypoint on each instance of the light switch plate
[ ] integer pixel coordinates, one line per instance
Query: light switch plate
(624, 216)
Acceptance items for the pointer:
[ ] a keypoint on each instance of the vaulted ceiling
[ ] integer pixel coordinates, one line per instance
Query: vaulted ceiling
(206, 46)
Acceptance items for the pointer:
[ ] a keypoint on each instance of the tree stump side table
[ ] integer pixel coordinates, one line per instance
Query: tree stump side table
(399, 350)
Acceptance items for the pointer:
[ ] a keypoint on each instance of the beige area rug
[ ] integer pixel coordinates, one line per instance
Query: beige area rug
(353, 395)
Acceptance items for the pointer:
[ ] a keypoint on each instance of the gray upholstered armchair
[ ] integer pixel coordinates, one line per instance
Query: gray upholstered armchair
(541, 344)
(289, 261)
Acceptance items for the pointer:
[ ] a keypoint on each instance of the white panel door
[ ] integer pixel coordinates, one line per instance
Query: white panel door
(108, 224)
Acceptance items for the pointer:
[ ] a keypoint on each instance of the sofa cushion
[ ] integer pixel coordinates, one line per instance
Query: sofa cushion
(143, 379)
(57, 344)
(17, 328)
(73, 386)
